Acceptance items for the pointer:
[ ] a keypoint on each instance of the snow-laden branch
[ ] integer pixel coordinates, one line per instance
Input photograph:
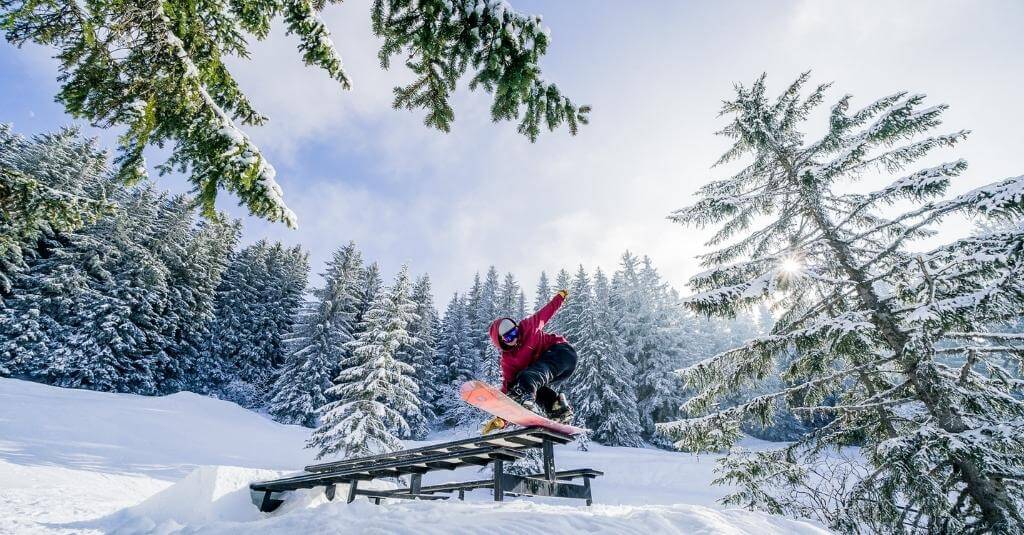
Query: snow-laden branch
(985, 335)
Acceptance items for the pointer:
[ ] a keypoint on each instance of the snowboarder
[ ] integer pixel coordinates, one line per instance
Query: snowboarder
(532, 361)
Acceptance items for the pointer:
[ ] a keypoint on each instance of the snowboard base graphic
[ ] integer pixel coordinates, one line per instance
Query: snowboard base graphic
(489, 399)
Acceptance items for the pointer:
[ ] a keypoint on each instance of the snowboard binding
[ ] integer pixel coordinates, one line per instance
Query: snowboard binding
(524, 398)
(560, 410)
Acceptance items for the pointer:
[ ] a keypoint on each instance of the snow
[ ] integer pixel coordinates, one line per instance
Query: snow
(76, 461)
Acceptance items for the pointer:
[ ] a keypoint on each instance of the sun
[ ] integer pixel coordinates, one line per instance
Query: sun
(791, 266)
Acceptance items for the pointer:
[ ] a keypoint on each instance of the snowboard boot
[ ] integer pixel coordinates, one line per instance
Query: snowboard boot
(561, 411)
(526, 399)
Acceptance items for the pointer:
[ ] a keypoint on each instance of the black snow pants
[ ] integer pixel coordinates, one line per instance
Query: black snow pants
(554, 365)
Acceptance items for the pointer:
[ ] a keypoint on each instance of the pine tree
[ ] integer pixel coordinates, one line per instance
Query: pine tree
(421, 354)
(256, 304)
(651, 339)
(577, 316)
(868, 317)
(107, 290)
(316, 345)
(195, 258)
(50, 184)
(604, 393)
(370, 288)
(544, 292)
(472, 305)
(508, 297)
(374, 388)
(121, 304)
(487, 311)
(210, 250)
(35, 322)
(563, 281)
(157, 71)
(456, 355)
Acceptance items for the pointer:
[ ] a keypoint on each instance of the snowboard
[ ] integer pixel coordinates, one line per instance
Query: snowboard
(489, 399)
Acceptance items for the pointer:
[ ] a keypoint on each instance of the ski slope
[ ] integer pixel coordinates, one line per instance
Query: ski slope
(75, 461)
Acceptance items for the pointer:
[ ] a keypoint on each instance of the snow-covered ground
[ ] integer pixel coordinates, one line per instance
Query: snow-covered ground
(75, 461)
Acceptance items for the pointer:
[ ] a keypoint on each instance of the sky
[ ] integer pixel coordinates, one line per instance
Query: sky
(353, 168)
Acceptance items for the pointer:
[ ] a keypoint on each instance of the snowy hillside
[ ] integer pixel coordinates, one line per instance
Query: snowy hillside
(74, 461)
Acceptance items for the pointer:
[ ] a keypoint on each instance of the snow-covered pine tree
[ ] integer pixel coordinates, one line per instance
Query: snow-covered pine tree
(1012, 325)
(256, 304)
(35, 322)
(121, 304)
(867, 316)
(172, 243)
(520, 305)
(578, 323)
(374, 388)
(563, 281)
(370, 288)
(472, 306)
(487, 311)
(459, 358)
(421, 354)
(211, 246)
(508, 296)
(604, 393)
(50, 184)
(156, 71)
(544, 292)
(316, 345)
(114, 330)
(650, 337)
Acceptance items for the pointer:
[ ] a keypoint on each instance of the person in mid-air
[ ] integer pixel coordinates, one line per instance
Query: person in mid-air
(532, 361)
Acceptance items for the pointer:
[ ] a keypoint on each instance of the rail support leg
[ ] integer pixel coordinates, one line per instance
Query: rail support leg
(549, 459)
(330, 491)
(266, 506)
(590, 497)
(352, 490)
(415, 483)
(462, 495)
(499, 472)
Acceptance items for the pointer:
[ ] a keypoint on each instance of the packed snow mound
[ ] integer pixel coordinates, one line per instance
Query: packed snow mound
(528, 518)
(215, 500)
(76, 461)
(165, 437)
(210, 493)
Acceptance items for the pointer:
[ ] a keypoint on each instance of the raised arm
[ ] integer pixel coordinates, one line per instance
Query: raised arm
(540, 318)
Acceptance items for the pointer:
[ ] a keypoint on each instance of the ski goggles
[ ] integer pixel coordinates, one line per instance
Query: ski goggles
(508, 330)
(510, 335)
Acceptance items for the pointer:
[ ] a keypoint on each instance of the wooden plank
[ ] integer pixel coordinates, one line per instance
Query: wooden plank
(471, 442)
(378, 495)
(527, 441)
(564, 475)
(443, 465)
(388, 468)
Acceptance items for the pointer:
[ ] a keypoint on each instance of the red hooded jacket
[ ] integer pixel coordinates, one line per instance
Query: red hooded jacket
(532, 341)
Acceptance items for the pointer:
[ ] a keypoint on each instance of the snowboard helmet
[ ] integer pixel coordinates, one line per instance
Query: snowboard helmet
(503, 332)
